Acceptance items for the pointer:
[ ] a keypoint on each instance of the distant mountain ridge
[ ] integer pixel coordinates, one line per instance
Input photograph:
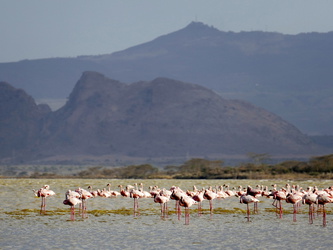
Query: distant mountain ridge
(289, 75)
(157, 119)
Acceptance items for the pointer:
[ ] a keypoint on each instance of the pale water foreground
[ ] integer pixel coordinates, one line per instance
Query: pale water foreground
(111, 223)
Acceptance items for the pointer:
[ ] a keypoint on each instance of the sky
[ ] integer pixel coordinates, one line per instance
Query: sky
(38, 29)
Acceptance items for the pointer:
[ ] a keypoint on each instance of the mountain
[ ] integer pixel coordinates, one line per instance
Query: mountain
(289, 75)
(20, 119)
(157, 119)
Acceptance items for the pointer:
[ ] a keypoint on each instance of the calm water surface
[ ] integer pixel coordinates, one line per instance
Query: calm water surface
(111, 223)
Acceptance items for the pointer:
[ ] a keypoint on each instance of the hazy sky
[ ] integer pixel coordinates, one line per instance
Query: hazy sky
(31, 29)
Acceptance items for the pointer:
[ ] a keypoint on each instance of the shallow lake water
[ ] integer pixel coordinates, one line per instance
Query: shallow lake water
(111, 223)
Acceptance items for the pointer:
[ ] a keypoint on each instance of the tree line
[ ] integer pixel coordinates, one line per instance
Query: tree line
(320, 167)
(316, 167)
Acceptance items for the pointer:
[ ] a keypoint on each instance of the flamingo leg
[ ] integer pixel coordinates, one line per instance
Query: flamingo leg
(255, 206)
(187, 216)
(179, 211)
(165, 209)
(281, 211)
(248, 212)
(311, 213)
(324, 216)
(295, 212)
(72, 213)
(211, 206)
(41, 206)
(84, 208)
(136, 206)
(199, 208)
(314, 211)
(81, 208)
(161, 209)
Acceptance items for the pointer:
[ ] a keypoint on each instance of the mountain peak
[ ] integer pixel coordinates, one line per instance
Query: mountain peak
(199, 25)
(199, 28)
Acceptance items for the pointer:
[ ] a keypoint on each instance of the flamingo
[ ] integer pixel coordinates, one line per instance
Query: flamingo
(221, 193)
(294, 198)
(240, 191)
(199, 197)
(113, 193)
(186, 202)
(210, 195)
(278, 196)
(84, 196)
(136, 194)
(310, 198)
(154, 190)
(176, 194)
(266, 193)
(192, 193)
(43, 192)
(124, 192)
(255, 192)
(146, 194)
(163, 200)
(103, 193)
(228, 191)
(247, 199)
(72, 199)
(323, 199)
(166, 192)
(93, 192)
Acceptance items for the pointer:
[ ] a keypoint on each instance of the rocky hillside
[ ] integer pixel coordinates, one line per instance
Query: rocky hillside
(20, 120)
(163, 118)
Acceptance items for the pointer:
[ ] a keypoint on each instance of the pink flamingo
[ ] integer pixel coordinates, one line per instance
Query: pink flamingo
(103, 193)
(323, 199)
(278, 196)
(136, 194)
(310, 198)
(163, 200)
(199, 197)
(210, 195)
(221, 193)
(266, 193)
(146, 194)
(294, 198)
(125, 192)
(229, 192)
(186, 202)
(84, 196)
(176, 194)
(113, 193)
(154, 190)
(72, 199)
(247, 199)
(255, 192)
(240, 191)
(43, 192)
(93, 192)
(192, 193)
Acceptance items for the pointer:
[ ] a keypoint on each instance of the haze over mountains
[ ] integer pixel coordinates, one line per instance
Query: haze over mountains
(290, 75)
(105, 119)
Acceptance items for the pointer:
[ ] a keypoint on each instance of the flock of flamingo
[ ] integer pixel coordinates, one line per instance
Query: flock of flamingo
(289, 194)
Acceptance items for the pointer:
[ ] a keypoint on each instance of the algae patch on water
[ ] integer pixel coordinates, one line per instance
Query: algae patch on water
(35, 212)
